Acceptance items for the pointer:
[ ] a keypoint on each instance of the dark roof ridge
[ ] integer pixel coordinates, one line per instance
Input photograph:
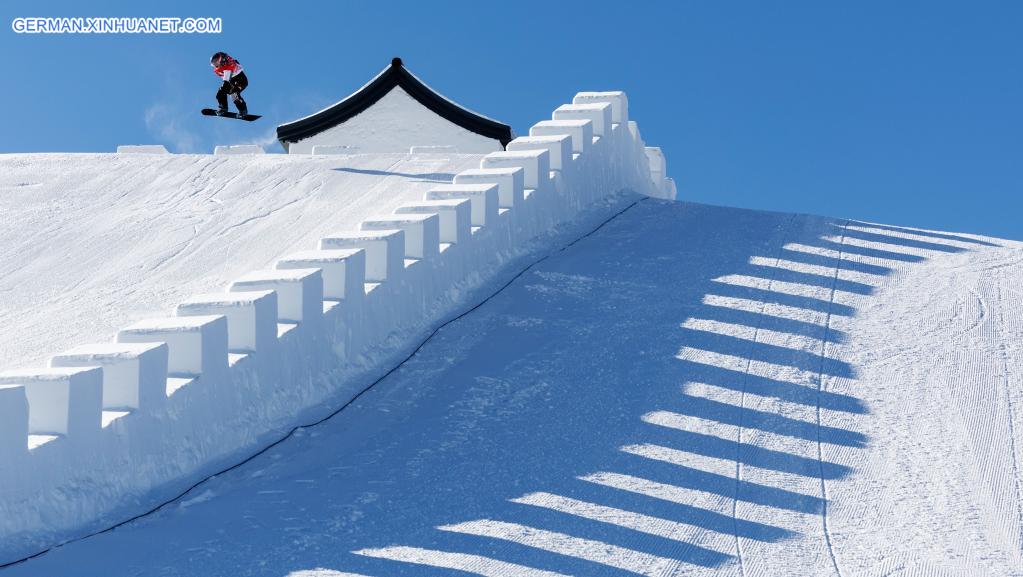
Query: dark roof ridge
(394, 75)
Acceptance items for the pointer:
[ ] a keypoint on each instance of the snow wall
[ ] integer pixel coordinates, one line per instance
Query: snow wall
(109, 430)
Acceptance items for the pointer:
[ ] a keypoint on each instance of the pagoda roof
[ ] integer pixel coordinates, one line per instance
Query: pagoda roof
(395, 75)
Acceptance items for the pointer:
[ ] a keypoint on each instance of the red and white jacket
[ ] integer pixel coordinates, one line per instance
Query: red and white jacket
(228, 69)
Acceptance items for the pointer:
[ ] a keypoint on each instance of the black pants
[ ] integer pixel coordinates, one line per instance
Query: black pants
(234, 87)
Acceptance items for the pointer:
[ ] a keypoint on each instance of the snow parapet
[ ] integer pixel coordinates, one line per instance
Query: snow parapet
(175, 397)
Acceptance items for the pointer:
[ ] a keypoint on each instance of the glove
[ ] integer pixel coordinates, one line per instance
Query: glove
(227, 87)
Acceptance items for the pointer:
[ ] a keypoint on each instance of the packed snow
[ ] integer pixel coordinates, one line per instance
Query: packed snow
(689, 390)
(94, 242)
(223, 400)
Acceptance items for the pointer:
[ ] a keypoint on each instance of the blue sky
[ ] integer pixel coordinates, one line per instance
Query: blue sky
(903, 112)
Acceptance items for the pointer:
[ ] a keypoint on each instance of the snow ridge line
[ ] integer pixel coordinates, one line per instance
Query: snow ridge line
(291, 433)
(742, 410)
(820, 389)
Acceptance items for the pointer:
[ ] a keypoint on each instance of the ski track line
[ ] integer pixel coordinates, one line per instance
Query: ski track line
(224, 186)
(742, 409)
(186, 245)
(895, 571)
(206, 168)
(820, 390)
(1010, 406)
(984, 312)
(973, 422)
(263, 215)
(195, 227)
(291, 432)
(970, 420)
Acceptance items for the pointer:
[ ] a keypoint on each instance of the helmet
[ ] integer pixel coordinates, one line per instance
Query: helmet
(218, 58)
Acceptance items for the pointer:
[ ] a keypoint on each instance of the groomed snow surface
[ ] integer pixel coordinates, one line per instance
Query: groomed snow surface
(691, 390)
(82, 257)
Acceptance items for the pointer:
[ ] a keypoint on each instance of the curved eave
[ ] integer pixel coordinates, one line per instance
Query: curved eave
(394, 75)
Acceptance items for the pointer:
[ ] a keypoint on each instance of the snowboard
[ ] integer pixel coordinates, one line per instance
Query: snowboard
(247, 117)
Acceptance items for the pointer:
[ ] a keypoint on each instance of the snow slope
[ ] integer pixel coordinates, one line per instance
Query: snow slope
(690, 390)
(231, 370)
(93, 242)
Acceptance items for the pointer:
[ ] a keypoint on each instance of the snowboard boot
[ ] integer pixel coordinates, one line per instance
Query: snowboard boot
(221, 110)
(243, 109)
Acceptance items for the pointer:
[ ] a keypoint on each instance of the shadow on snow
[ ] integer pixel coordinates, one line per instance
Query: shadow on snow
(555, 437)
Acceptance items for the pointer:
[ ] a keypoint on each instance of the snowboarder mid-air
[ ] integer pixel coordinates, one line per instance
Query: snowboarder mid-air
(230, 71)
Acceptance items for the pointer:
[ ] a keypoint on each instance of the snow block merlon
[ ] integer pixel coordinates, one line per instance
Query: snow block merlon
(617, 99)
(670, 192)
(422, 232)
(433, 149)
(299, 292)
(510, 182)
(664, 186)
(484, 198)
(385, 251)
(455, 217)
(251, 317)
(334, 149)
(196, 346)
(558, 146)
(343, 270)
(134, 374)
(656, 159)
(64, 401)
(13, 422)
(599, 113)
(634, 131)
(142, 149)
(580, 130)
(536, 165)
(238, 149)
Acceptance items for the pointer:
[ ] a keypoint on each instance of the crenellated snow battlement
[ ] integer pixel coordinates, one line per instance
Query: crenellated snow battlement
(108, 429)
